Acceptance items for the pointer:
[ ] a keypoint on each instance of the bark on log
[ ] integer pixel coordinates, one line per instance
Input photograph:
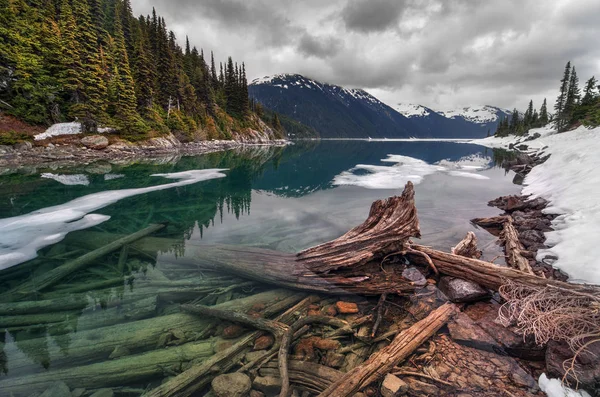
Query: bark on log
(503, 227)
(490, 275)
(467, 247)
(386, 359)
(52, 277)
(391, 223)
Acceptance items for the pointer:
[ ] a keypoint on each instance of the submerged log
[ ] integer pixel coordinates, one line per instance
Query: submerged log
(118, 372)
(386, 359)
(197, 377)
(86, 347)
(305, 376)
(53, 276)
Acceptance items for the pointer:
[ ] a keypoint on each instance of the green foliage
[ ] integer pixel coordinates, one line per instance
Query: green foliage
(12, 137)
(93, 61)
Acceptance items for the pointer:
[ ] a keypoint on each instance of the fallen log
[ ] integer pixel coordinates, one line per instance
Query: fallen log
(493, 276)
(513, 247)
(53, 276)
(96, 344)
(197, 377)
(386, 359)
(123, 371)
(467, 247)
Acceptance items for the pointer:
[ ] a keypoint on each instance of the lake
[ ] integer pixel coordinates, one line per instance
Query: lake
(284, 199)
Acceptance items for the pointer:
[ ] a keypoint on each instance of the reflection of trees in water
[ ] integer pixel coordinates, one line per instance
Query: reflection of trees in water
(501, 156)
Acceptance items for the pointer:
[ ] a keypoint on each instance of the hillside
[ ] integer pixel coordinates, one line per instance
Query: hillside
(333, 111)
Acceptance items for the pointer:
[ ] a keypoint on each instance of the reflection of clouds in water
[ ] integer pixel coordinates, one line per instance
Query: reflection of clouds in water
(22, 236)
(407, 169)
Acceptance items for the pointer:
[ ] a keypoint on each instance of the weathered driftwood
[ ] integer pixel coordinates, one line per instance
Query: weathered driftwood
(197, 377)
(490, 275)
(467, 247)
(386, 359)
(53, 276)
(391, 223)
(347, 265)
(86, 347)
(123, 371)
(305, 376)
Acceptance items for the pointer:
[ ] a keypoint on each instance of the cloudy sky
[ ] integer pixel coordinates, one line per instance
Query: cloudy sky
(439, 53)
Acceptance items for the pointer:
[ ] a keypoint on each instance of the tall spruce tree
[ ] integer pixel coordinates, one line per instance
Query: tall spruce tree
(589, 92)
(573, 96)
(544, 113)
(561, 100)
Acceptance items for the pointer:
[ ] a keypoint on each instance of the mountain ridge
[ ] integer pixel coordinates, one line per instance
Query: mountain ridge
(361, 115)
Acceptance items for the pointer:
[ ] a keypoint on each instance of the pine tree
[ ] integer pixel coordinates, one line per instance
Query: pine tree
(590, 91)
(213, 72)
(144, 73)
(122, 86)
(544, 113)
(528, 117)
(573, 96)
(559, 107)
(90, 100)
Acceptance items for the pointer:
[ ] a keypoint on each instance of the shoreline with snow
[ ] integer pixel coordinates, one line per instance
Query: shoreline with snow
(570, 182)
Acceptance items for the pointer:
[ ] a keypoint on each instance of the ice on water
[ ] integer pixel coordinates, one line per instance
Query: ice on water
(22, 236)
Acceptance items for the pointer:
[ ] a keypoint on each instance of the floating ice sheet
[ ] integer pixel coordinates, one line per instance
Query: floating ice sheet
(22, 236)
(69, 180)
(403, 170)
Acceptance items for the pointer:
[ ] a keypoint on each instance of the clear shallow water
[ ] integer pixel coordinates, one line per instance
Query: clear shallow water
(284, 199)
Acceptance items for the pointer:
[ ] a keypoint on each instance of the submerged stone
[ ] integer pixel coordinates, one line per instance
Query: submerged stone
(458, 290)
(235, 384)
(393, 386)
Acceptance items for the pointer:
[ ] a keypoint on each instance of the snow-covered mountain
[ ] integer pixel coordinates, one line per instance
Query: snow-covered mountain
(337, 112)
(467, 122)
(333, 111)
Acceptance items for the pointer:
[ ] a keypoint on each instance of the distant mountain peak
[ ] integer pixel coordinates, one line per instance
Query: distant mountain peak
(476, 114)
(412, 110)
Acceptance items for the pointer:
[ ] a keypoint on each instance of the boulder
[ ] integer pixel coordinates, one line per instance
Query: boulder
(414, 275)
(235, 384)
(23, 146)
(458, 290)
(392, 386)
(96, 142)
(587, 364)
(418, 388)
(269, 385)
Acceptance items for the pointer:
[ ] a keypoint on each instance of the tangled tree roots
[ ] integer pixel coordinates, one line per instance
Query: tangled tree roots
(551, 313)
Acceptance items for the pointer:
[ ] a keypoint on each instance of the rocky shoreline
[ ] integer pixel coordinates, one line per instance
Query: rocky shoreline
(71, 151)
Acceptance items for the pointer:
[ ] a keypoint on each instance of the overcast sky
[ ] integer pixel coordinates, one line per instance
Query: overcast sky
(438, 53)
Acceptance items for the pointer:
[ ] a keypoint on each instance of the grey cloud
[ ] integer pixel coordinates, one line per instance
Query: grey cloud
(437, 52)
(372, 15)
(319, 46)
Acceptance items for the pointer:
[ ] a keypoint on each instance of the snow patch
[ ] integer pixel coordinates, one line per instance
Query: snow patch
(411, 110)
(72, 128)
(477, 114)
(554, 388)
(570, 181)
(69, 180)
(22, 236)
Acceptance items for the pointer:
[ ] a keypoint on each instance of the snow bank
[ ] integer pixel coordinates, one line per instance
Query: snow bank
(22, 236)
(570, 181)
(554, 388)
(404, 169)
(73, 128)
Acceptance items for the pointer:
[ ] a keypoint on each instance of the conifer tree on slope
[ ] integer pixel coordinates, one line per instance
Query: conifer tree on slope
(561, 100)
(123, 86)
(573, 96)
(590, 91)
(544, 113)
(90, 95)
